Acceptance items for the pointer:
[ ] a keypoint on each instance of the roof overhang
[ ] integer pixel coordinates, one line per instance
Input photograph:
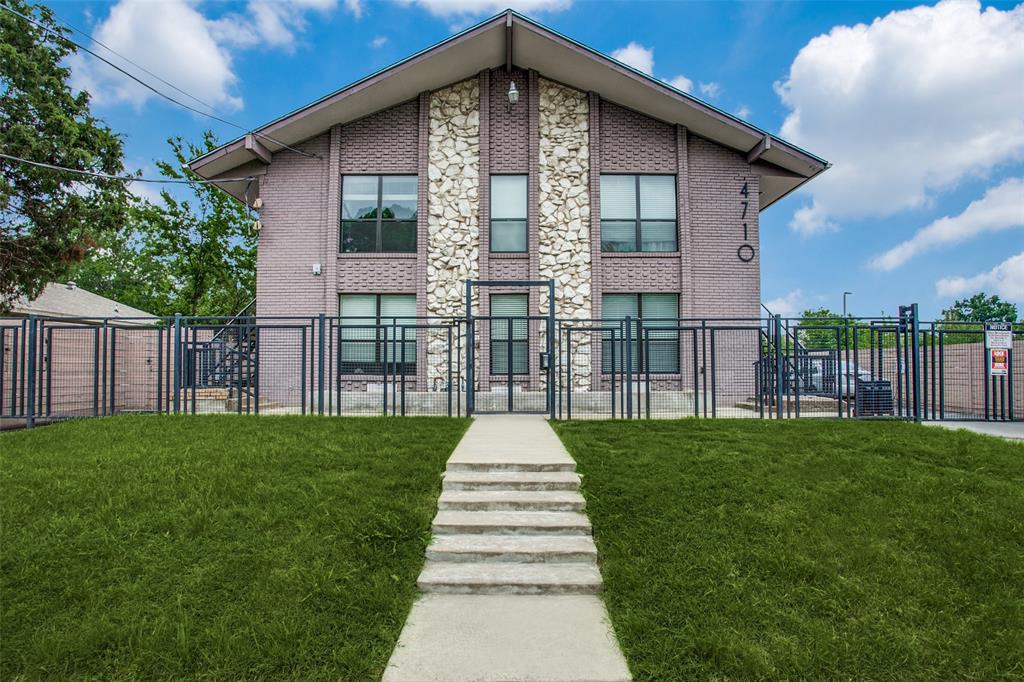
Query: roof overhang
(513, 38)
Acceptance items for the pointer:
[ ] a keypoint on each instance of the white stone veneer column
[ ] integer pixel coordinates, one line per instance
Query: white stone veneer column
(453, 219)
(564, 211)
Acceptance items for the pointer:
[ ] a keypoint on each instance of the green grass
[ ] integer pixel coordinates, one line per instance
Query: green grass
(807, 550)
(213, 547)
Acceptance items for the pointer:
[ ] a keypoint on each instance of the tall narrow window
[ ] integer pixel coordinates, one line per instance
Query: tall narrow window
(378, 213)
(508, 214)
(509, 333)
(367, 320)
(658, 343)
(638, 213)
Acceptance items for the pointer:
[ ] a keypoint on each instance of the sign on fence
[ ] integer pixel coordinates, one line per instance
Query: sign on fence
(998, 335)
(999, 359)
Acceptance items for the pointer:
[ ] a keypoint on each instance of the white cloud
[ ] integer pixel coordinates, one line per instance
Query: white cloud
(379, 42)
(1005, 279)
(682, 83)
(1001, 208)
(463, 10)
(907, 106)
(174, 40)
(743, 111)
(355, 8)
(811, 220)
(790, 305)
(641, 58)
(636, 55)
(710, 90)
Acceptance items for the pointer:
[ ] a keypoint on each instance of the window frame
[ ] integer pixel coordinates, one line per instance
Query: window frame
(641, 360)
(525, 219)
(380, 221)
(638, 219)
(512, 332)
(376, 366)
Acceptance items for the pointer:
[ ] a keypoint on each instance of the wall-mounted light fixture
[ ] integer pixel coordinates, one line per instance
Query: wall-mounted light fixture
(513, 95)
(317, 269)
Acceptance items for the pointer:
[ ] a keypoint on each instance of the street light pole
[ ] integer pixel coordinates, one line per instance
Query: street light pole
(845, 294)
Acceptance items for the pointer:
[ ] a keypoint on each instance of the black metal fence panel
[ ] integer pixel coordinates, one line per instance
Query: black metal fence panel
(767, 368)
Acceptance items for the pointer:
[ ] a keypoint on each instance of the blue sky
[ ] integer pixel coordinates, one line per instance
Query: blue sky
(918, 106)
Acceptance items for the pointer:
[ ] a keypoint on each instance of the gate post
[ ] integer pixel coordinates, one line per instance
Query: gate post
(177, 363)
(30, 375)
(470, 349)
(916, 362)
(778, 366)
(627, 362)
(551, 349)
(320, 368)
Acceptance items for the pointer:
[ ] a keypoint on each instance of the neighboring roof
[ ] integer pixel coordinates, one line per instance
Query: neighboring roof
(71, 301)
(512, 39)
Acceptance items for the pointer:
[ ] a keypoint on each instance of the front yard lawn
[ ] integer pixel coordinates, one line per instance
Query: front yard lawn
(807, 550)
(219, 547)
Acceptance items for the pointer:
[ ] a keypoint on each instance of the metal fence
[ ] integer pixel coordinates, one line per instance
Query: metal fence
(767, 368)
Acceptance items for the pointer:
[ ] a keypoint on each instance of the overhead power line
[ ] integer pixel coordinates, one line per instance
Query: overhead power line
(138, 66)
(126, 178)
(151, 88)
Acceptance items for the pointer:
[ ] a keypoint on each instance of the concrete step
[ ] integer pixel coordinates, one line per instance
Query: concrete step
(449, 522)
(509, 578)
(511, 500)
(512, 548)
(540, 465)
(511, 480)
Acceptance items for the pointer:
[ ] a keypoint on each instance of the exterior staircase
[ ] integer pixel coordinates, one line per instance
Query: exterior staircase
(511, 527)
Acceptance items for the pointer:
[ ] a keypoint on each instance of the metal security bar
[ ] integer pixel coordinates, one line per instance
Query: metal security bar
(625, 368)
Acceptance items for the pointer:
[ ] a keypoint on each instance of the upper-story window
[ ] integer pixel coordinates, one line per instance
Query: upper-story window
(508, 214)
(378, 213)
(638, 213)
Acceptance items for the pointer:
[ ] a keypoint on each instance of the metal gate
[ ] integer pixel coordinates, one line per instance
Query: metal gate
(509, 355)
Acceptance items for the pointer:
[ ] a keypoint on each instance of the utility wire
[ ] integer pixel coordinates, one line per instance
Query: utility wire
(127, 178)
(138, 66)
(151, 88)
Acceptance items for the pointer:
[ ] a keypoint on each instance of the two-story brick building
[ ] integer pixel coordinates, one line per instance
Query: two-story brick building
(510, 152)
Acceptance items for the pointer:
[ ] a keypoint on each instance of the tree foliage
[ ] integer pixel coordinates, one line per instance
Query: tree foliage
(981, 308)
(195, 256)
(49, 219)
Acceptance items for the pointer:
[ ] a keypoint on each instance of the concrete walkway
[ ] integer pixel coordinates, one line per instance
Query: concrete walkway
(1007, 430)
(511, 579)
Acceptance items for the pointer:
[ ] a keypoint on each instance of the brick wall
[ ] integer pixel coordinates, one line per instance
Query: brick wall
(723, 285)
(302, 196)
(295, 232)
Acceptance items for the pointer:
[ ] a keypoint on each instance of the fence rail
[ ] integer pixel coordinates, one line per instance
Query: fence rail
(766, 368)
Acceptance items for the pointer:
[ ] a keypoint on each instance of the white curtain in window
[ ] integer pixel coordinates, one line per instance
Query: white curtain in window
(657, 197)
(618, 197)
(508, 197)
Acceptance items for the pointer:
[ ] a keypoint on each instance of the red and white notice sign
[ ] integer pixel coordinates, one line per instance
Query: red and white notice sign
(999, 359)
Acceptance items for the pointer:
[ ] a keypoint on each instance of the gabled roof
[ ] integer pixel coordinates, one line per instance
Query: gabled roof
(513, 39)
(71, 301)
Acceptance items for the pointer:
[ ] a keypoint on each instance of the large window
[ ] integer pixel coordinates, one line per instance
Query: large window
(509, 333)
(366, 321)
(638, 213)
(508, 214)
(658, 314)
(378, 213)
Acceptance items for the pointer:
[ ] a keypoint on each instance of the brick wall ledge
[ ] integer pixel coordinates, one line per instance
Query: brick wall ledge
(496, 255)
(378, 256)
(640, 254)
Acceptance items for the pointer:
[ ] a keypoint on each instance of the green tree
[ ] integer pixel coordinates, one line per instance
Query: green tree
(195, 256)
(49, 219)
(981, 308)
